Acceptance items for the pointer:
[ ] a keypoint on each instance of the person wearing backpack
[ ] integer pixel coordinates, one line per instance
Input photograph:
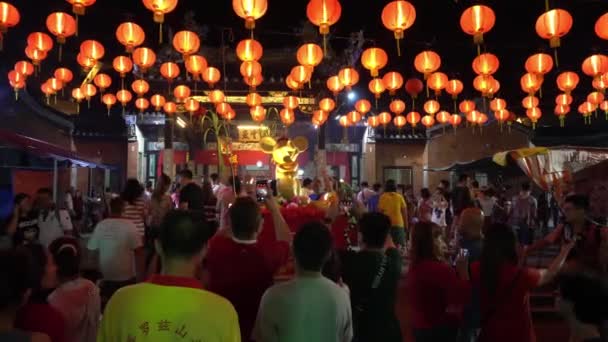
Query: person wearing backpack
(523, 214)
(52, 221)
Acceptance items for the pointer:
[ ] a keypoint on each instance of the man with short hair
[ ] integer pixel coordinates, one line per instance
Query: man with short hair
(461, 195)
(307, 190)
(309, 307)
(372, 202)
(172, 306)
(523, 214)
(52, 221)
(117, 241)
(190, 195)
(365, 194)
(239, 267)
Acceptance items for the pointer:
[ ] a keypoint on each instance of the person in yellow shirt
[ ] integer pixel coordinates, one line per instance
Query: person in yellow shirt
(172, 306)
(392, 204)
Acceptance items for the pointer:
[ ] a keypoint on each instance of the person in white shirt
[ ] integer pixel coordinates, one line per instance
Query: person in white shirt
(309, 307)
(52, 221)
(365, 194)
(117, 241)
(216, 185)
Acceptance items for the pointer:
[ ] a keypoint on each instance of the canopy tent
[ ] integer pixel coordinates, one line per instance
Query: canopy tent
(550, 167)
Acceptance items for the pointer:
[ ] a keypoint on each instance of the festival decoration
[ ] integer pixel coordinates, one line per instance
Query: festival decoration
(159, 8)
(393, 81)
(158, 101)
(142, 104)
(9, 17)
(427, 62)
(348, 77)
(486, 64)
(327, 105)
(374, 59)
(250, 10)
(310, 55)
(109, 100)
(62, 26)
(413, 118)
(249, 50)
(397, 107)
(476, 21)
(335, 85)
(363, 106)
(144, 58)
(324, 13)
(211, 76)
(130, 35)
(78, 8)
(398, 16)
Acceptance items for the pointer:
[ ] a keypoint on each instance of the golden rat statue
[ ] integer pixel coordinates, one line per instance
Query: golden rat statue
(285, 154)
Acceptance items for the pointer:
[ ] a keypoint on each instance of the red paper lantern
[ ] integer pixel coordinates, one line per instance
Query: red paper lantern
(540, 64)
(249, 50)
(477, 21)
(454, 88)
(102, 81)
(595, 65)
(486, 64)
(427, 62)
(140, 87)
(530, 102)
(348, 77)
(384, 118)
(392, 81)
(437, 81)
(216, 96)
(124, 97)
(181, 93)
(25, 68)
(413, 118)
(144, 58)
(374, 59)
(466, 106)
(40, 41)
(291, 102)
(399, 121)
(61, 25)
(186, 42)
(250, 10)
(122, 65)
(310, 55)
(601, 27)
(287, 116)
(323, 13)
(192, 105)
(398, 16)
(353, 117)
(109, 100)
(428, 121)
(563, 100)
(253, 99)
(443, 117)
(373, 121)
(158, 101)
(397, 107)
(431, 107)
(92, 49)
(258, 113)
(413, 87)
(170, 108)
(498, 104)
(195, 65)
(376, 87)
(553, 25)
(169, 71)
(130, 35)
(327, 105)
(64, 75)
(363, 106)
(334, 85)
(211, 76)
(142, 104)
(567, 81)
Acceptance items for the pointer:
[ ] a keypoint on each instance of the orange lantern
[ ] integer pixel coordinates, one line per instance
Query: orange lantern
(78, 6)
(142, 104)
(122, 65)
(373, 121)
(78, 96)
(595, 98)
(530, 101)
(392, 81)
(353, 117)
(61, 25)
(124, 97)
(363, 106)
(130, 35)
(397, 107)
(376, 87)
(530, 83)
(40, 41)
(498, 104)
(540, 64)
(287, 116)
(170, 108)
(344, 121)
(443, 117)
(427, 62)
(334, 85)
(211, 75)
(563, 100)
(553, 25)
(604, 107)
(186, 42)
(216, 96)
(16, 77)
(223, 108)
(474, 117)
(486, 64)
(144, 58)
(25, 68)
(399, 121)
(249, 50)
(291, 84)
(466, 106)
(291, 102)
(374, 59)
(323, 13)
(160, 8)
(428, 121)
(595, 65)
(398, 16)
(85, 63)
(181, 93)
(454, 88)
(254, 81)
(92, 50)
(258, 113)
(55, 84)
(169, 71)
(385, 118)
(195, 65)
(35, 55)
(534, 114)
(483, 84)
(300, 74)
(140, 87)
(319, 117)
(229, 115)
(561, 112)
(567, 81)
(502, 115)
(253, 99)
(327, 105)
(600, 83)
(588, 107)
(413, 118)
(191, 105)
(250, 10)
(455, 120)
(494, 88)
(102, 81)
(158, 101)
(431, 107)
(348, 77)
(437, 81)
(89, 91)
(9, 17)
(476, 21)
(310, 55)
(109, 100)
(601, 27)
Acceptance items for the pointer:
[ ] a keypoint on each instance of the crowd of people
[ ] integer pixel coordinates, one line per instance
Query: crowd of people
(183, 262)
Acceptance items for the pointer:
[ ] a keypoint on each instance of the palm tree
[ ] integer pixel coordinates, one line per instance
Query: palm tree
(218, 127)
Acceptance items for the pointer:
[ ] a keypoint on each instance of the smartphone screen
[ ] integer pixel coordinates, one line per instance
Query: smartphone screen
(261, 190)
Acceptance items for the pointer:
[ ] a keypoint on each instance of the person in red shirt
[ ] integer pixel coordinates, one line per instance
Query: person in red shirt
(505, 286)
(437, 292)
(241, 269)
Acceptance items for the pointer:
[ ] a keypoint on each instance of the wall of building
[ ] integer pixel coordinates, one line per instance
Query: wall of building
(400, 155)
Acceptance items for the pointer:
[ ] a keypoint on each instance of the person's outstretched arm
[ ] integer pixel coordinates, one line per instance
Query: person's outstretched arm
(281, 229)
(546, 276)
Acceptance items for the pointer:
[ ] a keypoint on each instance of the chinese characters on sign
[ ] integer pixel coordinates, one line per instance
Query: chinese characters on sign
(252, 133)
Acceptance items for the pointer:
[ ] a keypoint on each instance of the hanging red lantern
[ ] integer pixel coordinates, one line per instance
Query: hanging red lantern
(595, 65)
(249, 50)
(385, 118)
(486, 64)
(158, 101)
(78, 96)
(223, 108)
(392, 81)
(186, 42)
(600, 83)
(216, 96)
(363, 106)
(431, 107)
(373, 121)
(250, 69)
(92, 50)
(530, 83)
(476, 21)
(250, 10)
(310, 55)
(291, 102)
(140, 87)
(62, 26)
(553, 25)
(55, 84)
(428, 121)
(427, 62)
(319, 117)
(181, 93)
(301, 74)
(122, 65)
(258, 113)
(229, 115)
(159, 8)
(130, 35)
(534, 114)
(25, 68)
(124, 97)
(399, 121)
(287, 116)
(397, 107)
(291, 84)
(192, 105)
(540, 64)
(561, 112)
(334, 85)
(455, 120)
(102, 81)
(466, 106)
(502, 115)
(170, 108)
(437, 81)
(398, 16)
(354, 117)
(9, 17)
(109, 100)
(169, 71)
(376, 87)
(142, 104)
(595, 98)
(483, 84)
(327, 105)
(473, 117)
(253, 99)
(144, 58)
(344, 121)
(443, 117)
(348, 77)
(323, 13)
(89, 91)
(563, 100)
(567, 81)
(413, 118)
(35, 55)
(195, 65)
(530, 101)
(498, 104)
(454, 88)
(40, 41)
(211, 76)
(601, 27)
(374, 59)
(254, 81)
(86, 63)
(413, 87)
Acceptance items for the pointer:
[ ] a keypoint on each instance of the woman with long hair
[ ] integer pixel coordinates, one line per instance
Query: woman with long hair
(437, 292)
(505, 286)
(160, 201)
